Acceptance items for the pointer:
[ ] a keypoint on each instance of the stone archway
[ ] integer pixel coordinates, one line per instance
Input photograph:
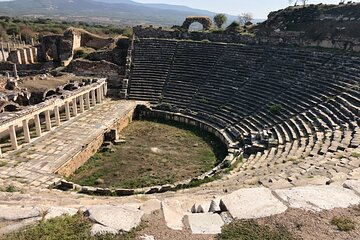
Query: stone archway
(204, 21)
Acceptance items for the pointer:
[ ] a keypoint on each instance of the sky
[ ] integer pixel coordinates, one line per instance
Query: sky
(259, 8)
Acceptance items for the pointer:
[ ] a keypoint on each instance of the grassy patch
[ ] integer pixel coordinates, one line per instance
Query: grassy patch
(355, 154)
(66, 227)
(155, 153)
(343, 223)
(9, 189)
(3, 164)
(250, 230)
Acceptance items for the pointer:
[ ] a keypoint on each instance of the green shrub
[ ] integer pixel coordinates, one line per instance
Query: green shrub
(343, 223)
(276, 109)
(226, 164)
(250, 230)
(83, 52)
(234, 27)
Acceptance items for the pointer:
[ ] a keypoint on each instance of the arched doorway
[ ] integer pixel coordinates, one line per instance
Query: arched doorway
(204, 21)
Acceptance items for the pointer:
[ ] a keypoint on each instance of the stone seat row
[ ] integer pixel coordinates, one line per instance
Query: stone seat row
(236, 86)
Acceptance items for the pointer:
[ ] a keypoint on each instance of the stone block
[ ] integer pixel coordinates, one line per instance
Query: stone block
(318, 198)
(124, 192)
(252, 203)
(204, 223)
(120, 218)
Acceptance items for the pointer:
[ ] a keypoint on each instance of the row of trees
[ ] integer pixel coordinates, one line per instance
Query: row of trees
(220, 19)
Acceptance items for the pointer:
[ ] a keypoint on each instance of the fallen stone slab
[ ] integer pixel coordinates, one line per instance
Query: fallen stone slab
(318, 198)
(18, 225)
(353, 185)
(54, 212)
(11, 213)
(251, 203)
(119, 218)
(98, 229)
(204, 223)
(173, 214)
(150, 206)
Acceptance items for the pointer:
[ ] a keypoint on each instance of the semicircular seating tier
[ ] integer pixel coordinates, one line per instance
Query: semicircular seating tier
(236, 88)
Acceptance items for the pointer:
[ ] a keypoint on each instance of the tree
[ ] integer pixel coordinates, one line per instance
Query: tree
(245, 17)
(220, 19)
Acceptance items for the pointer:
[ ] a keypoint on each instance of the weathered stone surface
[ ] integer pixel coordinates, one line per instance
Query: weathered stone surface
(205, 21)
(59, 211)
(98, 229)
(318, 197)
(204, 223)
(18, 225)
(150, 206)
(214, 206)
(18, 213)
(116, 217)
(173, 214)
(252, 203)
(353, 185)
(147, 237)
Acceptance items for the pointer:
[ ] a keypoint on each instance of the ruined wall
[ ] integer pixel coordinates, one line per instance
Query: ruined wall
(204, 21)
(274, 38)
(112, 72)
(90, 149)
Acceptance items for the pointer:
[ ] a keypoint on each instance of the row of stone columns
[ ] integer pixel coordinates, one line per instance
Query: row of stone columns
(85, 101)
(26, 55)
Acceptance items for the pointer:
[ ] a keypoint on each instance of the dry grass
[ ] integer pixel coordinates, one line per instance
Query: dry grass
(154, 154)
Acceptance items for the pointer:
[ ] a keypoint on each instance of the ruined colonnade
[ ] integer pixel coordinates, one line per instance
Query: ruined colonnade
(72, 106)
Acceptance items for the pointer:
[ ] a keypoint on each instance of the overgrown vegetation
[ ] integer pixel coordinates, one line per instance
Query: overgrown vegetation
(275, 109)
(75, 227)
(250, 230)
(83, 52)
(153, 153)
(9, 189)
(35, 28)
(3, 164)
(343, 223)
(355, 154)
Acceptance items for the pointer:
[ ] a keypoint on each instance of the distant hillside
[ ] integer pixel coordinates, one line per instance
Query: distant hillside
(318, 22)
(123, 12)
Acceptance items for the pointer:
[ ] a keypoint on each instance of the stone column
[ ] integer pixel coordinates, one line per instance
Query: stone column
(13, 138)
(57, 115)
(16, 76)
(67, 111)
(105, 89)
(26, 131)
(81, 100)
(37, 125)
(48, 120)
(98, 95)
(87, 100)
(23, 55)
(8, 47)
(3, 52)
(93, 100)
(29, 54)
(74, 107)
(34, 53)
